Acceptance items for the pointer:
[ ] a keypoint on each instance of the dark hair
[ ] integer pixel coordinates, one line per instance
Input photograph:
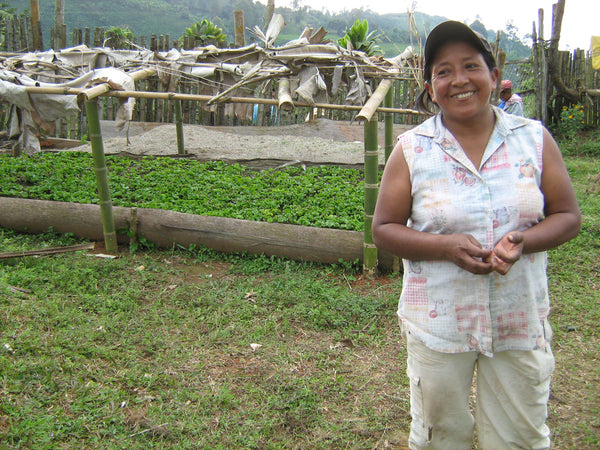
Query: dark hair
(449, 31)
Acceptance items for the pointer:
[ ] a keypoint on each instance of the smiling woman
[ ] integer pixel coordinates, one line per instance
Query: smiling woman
(471, 203)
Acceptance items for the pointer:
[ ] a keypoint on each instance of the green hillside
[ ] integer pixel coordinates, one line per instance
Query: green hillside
(160, 17)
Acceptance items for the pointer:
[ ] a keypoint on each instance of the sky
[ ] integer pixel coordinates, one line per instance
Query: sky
(581, 19)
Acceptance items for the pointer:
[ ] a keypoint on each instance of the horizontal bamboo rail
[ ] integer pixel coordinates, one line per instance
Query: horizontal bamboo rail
(96, 91)
(205, 98)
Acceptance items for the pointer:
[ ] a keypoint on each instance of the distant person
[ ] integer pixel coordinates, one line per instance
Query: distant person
(472, 199)
(509, 102)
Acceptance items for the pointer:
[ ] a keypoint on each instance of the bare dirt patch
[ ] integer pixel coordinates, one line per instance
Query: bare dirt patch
(321, 141)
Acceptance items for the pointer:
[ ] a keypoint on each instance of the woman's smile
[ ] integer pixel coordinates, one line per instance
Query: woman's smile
(464, 95)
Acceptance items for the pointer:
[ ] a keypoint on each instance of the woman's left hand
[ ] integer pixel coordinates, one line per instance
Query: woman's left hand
(506, 252)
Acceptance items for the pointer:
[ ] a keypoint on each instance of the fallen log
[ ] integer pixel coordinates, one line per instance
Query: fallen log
(169, 228)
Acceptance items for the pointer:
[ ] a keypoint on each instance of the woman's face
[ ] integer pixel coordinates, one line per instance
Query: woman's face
(505, 95)
(461, 82)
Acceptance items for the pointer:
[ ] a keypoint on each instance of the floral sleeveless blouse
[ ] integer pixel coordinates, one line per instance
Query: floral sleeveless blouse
(448, 308)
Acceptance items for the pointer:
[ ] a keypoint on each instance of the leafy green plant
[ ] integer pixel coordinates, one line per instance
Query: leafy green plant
(118, 37)
(321, 196)
(584, 143)
(359, 38)
(204, 33)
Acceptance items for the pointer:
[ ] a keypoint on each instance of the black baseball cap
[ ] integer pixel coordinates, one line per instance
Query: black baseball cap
(452, 31)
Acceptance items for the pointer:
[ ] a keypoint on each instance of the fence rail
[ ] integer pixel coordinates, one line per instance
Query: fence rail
(16, 37)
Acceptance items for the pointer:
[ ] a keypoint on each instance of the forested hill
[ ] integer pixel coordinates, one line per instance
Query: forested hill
(147, 17)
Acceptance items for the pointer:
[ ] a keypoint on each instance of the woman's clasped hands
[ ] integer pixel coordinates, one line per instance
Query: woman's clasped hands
(467, 252)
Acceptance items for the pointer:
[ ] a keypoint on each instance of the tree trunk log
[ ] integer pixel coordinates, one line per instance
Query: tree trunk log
(169, 228)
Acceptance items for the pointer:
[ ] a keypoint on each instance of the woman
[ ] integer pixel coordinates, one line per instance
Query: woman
(471, 199)
(510, 102)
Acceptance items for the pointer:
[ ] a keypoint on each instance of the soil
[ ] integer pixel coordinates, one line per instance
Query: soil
(321, 141)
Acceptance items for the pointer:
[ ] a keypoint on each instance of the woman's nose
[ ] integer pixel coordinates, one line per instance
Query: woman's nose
(460, 77)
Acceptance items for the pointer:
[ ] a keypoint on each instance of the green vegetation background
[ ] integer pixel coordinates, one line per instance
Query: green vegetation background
(147, 17)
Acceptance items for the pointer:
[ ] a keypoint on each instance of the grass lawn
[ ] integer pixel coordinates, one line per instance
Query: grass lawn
(189, 348)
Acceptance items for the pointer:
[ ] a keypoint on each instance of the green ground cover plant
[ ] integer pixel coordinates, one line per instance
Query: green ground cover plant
(191, 348)
(321, 196)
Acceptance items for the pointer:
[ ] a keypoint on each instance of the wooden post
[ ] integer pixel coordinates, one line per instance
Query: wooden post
(99, 37)
(106, 211)
(179, 128)
(371, 188)
(388, 118)
(389, 146)
(38, 42)
(238, 18)
(543, 74)
(269, 12)
(60, 35)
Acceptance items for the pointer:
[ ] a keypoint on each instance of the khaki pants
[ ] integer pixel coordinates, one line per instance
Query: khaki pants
(513, 389)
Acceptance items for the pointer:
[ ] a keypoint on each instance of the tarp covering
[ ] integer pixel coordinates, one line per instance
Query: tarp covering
(314, 68)
(596, 52)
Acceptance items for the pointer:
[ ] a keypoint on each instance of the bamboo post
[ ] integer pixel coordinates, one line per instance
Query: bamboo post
(238, 19)
(38, 42)
(543, 70)
(269, 12)
(375, 100)
(106, 211)
(388, 118)
(179, 128)
(389, 146)
(284, 95)
(371, 169)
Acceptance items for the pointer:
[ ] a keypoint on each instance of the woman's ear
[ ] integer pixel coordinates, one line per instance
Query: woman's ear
(429, 91)
(495, 75)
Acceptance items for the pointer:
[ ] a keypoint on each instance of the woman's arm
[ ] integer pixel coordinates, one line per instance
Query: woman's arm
(562, 220)
(391, 233)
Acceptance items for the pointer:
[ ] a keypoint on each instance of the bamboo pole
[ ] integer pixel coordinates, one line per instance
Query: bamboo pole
(375, 100)
(284, 95)
(370, 196)
(38, 41)
(60, 36)
(269, 12)
(388, 118)
(389, 146)
(108, 221)
(179, 128)
(95, 91)
(205, 98)
(238, 20)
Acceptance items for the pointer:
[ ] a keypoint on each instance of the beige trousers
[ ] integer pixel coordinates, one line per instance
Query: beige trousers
(512, 391)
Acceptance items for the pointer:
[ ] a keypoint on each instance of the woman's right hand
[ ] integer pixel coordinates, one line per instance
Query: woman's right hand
(466, 252)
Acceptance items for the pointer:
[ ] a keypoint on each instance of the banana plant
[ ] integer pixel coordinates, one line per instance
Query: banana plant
(357, 37)
(204, 33)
